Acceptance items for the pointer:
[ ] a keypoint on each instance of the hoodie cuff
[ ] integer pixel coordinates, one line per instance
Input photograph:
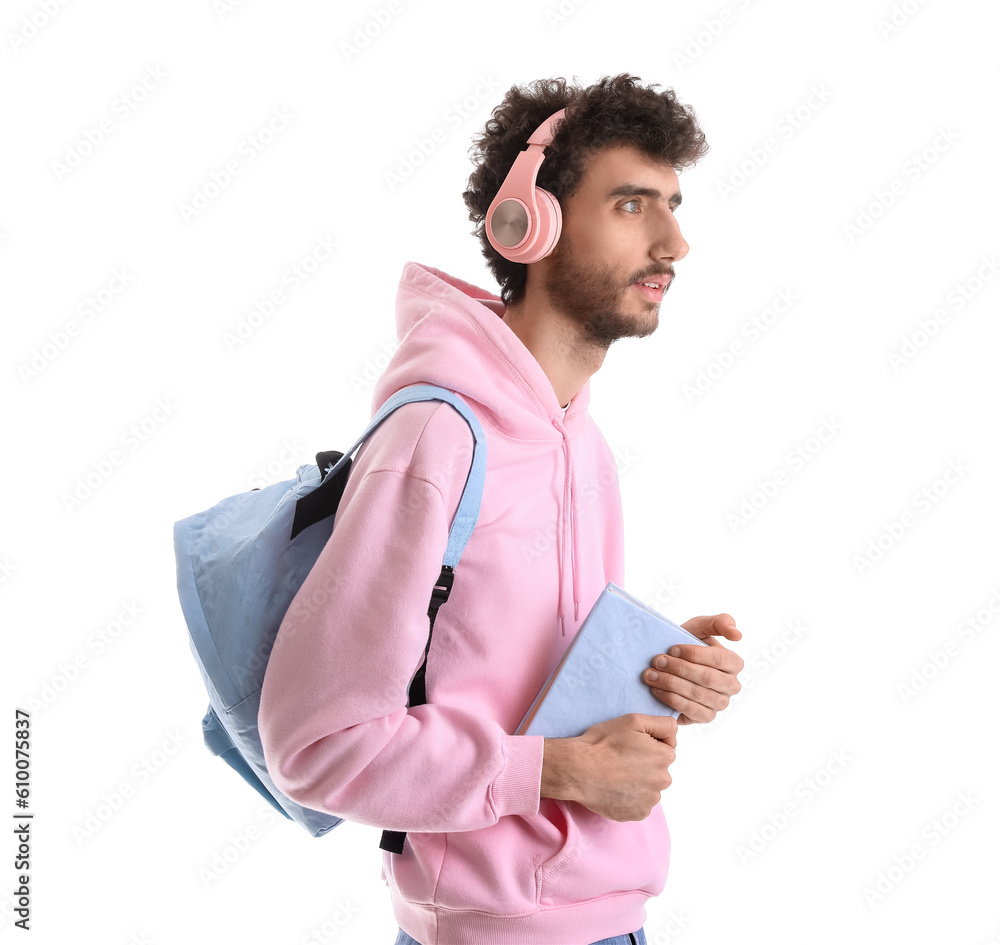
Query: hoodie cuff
(518, 787)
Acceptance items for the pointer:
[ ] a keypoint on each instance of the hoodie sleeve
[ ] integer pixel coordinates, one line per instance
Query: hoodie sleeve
(336, 730)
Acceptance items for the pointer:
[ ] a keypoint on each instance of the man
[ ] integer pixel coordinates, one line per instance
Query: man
(514, 839)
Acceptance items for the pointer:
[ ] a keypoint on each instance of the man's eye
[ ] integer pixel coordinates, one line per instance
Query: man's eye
(627, 202)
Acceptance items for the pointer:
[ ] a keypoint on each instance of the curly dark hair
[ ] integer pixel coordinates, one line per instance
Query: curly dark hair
(615, 110)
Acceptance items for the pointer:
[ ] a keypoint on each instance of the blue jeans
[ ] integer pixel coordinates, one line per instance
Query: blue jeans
(635, 938)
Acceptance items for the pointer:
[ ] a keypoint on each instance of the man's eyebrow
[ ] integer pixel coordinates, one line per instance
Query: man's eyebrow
(636, 190)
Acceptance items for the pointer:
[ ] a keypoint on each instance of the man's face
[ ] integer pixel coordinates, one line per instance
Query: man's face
(618, 231)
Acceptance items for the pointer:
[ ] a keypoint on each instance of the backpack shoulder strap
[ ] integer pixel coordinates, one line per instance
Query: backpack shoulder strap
(467, 513)
(461, 530)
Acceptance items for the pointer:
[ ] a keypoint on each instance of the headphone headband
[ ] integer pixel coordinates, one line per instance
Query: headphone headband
(546, 131)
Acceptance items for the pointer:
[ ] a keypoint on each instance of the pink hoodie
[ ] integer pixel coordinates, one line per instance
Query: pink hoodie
(485, 860)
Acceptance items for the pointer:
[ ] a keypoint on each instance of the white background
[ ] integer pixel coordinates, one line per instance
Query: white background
(913, 103)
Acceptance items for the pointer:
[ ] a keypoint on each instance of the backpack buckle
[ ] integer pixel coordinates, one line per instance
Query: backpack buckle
(442, 587)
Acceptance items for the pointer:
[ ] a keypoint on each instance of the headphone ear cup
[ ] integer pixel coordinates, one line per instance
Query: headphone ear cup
(549, 226)
(524, 221)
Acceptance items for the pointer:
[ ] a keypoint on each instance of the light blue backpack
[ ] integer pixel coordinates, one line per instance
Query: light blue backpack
(240, 563)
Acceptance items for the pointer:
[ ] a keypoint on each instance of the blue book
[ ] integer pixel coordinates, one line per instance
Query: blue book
(600, 675)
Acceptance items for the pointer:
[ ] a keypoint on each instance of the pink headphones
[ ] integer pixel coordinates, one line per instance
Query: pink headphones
(524, 221)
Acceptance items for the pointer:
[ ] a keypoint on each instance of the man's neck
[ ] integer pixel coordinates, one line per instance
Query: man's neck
(553, 339)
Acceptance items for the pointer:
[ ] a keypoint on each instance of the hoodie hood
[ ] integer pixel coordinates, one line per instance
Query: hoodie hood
(452, 334)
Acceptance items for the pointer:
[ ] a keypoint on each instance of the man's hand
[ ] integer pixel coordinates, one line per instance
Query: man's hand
(697, 681)
(616, 768)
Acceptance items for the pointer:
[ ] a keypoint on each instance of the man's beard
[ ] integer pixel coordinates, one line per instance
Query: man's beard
(595, 299)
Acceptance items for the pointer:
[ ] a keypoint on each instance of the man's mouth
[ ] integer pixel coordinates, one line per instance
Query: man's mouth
(653, 289)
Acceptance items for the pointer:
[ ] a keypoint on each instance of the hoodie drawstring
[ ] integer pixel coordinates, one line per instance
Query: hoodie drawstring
(570, 502)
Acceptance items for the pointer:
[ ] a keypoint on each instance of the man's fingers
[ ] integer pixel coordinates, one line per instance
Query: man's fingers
(717, 657)
(697, 674)
(694, 711)
(719, 625)
(684, 697)
(661, 727)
